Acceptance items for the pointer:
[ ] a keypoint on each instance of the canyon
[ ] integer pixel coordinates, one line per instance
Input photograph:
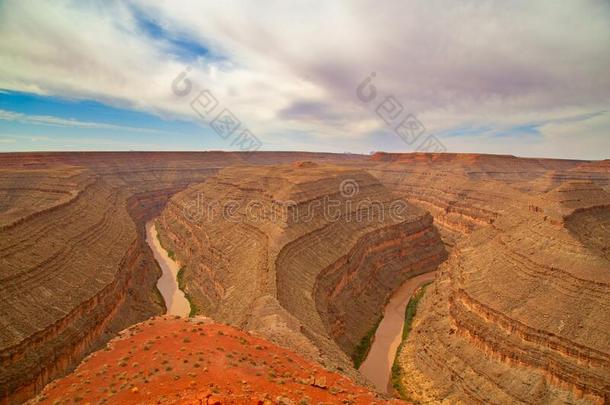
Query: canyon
(519, 312)
(304, 251)
(377, 367)
(75, 268)
(168, 285)
(302, 258)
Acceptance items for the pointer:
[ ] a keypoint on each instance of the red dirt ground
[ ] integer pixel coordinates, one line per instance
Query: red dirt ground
(167, 361)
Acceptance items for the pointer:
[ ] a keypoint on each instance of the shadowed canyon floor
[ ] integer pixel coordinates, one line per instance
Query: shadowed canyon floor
(304, 251)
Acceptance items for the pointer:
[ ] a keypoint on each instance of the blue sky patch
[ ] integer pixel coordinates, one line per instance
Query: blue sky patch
(180, 45)
(35, 122)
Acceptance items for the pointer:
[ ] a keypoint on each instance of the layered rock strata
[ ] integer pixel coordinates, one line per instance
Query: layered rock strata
(520, 311)
(465, 191)
(74, 265)
(58, 298)
(518, 314)
(304, 254)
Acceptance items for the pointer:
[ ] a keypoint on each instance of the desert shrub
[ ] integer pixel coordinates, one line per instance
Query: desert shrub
(410, 312)
(182, 285)
(363, 347)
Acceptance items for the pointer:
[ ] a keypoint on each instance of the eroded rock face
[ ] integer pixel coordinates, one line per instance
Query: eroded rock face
(74, 265)
(56, 302)
(461, 190)
(520, 312)
(307, 255)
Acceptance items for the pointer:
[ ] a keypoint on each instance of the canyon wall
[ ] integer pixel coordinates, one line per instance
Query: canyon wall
(68, 272)
(74, 264)
(460, 190)
(520, 311)
(303, 254)
(306, 254)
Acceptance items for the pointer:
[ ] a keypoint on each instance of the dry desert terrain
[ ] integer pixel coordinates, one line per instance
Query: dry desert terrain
(299, 253)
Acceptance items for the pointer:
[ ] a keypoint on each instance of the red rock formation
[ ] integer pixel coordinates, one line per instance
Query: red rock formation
(519, 313)
(57, 301)
(466, 191)
(171, 361)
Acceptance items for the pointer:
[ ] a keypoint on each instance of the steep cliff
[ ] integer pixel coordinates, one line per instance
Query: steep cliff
(520, 311)
(74, 265)
(68, 272)
(304, 254)
(466, 191)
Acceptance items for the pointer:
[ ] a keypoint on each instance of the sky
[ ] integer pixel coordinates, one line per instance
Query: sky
(520, 77)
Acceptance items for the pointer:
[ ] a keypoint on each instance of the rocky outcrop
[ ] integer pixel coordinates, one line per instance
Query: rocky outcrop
(168, 360)
(304, 254)
(519, 312)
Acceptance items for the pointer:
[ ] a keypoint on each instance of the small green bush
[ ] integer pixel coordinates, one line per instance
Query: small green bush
(363, 347)
(410, 313)
(182, 285)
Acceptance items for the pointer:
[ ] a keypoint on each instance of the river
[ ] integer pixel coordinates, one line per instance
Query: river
(377, 367)
(175, 301)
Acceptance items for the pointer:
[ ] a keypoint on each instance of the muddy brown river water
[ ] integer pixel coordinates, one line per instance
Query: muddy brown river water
(377, 367)
(175, 301)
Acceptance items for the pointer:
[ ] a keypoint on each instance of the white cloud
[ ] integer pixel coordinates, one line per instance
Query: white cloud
(292, 67)
(589, 138)
(28, 142)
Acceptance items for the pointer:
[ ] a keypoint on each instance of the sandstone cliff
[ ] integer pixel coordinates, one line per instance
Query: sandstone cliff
(517, 315)
(74, 265)
(304, 254)
(58, 299)
(461, 190)
(520, 311)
